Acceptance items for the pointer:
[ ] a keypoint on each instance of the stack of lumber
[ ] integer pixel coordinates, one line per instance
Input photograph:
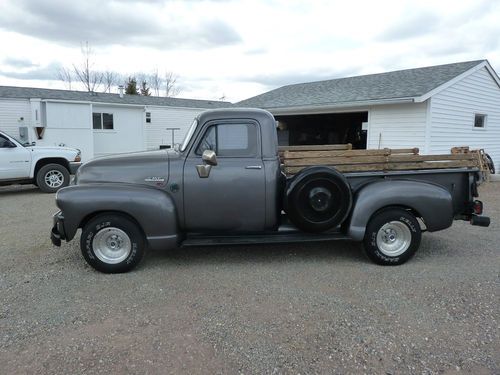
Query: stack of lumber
(480, 155)
(344, 159)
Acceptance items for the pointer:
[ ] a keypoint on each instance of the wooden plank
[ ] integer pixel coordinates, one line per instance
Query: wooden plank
(413, 151)
(325, 154)
(375, 159)
(395, 166)
(346, 146)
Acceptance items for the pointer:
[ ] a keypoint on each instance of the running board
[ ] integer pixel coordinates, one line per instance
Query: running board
(256, 239)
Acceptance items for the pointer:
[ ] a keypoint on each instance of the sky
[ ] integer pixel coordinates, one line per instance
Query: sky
(239, 49)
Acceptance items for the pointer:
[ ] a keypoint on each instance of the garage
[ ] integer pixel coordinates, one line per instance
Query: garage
(323, 129)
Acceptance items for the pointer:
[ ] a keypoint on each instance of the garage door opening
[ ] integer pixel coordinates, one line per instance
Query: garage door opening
(323, 129)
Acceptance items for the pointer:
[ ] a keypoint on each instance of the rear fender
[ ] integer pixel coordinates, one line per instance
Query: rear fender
(432, 202)
(153, 209)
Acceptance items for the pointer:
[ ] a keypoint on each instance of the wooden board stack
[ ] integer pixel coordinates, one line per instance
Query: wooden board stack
(345, 159)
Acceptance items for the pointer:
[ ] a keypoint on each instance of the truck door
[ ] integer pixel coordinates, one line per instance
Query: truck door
(232, 196)
(15, 160)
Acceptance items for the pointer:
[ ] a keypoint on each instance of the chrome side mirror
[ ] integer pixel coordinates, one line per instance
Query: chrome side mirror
(209, 157)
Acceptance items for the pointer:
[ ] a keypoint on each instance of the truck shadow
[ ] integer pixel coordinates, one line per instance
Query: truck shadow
(18, 190)
(334, 251)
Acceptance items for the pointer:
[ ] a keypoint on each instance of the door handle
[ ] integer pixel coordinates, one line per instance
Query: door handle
(253, 167)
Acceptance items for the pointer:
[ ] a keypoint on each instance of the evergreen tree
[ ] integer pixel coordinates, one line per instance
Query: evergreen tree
(131, 86)
(145, 89)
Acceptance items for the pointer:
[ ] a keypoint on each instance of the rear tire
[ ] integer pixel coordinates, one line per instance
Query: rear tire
(52, 177)
(392, 237)
(112, 243)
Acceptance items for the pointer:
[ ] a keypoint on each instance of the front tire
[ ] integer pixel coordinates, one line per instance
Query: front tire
(52, 177)
(392, 237)
(112, 243)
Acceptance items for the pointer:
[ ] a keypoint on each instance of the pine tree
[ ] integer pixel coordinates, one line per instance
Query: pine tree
(131, 86)
(145, 89)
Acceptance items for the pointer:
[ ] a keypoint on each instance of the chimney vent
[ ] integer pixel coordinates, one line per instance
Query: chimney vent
(120, 89)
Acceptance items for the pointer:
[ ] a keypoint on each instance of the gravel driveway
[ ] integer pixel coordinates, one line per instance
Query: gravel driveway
(313, 308)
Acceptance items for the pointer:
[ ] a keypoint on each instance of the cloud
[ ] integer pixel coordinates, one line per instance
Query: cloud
(293, 77)
(410, 26)
(19, 62)
(48, 72)
(114, 23)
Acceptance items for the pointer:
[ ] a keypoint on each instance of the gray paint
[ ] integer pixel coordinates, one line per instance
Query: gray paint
(407, 83)
(163, 192)
(153, 210)
(432, 202)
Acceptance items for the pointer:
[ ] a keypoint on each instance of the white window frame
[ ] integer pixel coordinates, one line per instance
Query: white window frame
(101, 129)
(485, 122)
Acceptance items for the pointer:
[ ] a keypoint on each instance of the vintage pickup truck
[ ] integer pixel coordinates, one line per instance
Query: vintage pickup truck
(224, 185)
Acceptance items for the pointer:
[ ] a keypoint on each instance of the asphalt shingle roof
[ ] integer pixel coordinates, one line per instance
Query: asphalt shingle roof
(29, 92)
(398, 84)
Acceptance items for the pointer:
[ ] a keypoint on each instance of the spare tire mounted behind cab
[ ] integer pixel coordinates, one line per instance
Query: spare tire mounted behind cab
(317, 199)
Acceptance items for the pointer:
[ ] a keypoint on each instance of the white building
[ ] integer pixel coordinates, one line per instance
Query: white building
(433, 108)
(97, 123)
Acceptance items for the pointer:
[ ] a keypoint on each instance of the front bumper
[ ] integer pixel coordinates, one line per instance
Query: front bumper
(57, 233)
(73, 166)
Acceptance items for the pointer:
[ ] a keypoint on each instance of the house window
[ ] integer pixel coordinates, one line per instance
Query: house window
(102, 121)
(479, 121)
(148, 117)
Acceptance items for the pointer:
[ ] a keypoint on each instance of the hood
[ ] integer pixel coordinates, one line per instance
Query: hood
(146, 168)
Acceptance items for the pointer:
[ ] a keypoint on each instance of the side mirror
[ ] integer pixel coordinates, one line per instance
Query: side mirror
(209, 157)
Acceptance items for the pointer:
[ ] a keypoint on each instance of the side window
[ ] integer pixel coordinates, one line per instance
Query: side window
(236, 140)
(4, 142)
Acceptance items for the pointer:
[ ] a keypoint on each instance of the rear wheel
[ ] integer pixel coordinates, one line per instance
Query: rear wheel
(51, 177)
(392, 236)
(112, 243)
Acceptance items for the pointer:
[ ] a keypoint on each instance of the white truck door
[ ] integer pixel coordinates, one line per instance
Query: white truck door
(15, 160)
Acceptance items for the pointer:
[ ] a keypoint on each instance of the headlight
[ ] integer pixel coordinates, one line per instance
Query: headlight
(78, 156)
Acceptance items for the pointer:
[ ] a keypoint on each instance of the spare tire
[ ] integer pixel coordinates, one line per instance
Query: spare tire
(318, 199)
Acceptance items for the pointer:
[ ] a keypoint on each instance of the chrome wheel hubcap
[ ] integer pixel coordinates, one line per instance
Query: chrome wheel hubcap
(54, 179)
(111, 245)
(393, 238)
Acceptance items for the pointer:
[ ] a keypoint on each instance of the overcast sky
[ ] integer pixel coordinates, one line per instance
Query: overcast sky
(239, 49)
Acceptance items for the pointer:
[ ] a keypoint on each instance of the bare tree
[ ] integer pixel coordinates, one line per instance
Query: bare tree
(90, 78)
(172, 89)
(109, 79)
(64, 74)
(155, 82)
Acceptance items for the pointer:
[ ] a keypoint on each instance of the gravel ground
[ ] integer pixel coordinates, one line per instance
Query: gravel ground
(314, 308)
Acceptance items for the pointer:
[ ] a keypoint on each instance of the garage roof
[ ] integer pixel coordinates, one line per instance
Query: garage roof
(63, 95)
(401, 84)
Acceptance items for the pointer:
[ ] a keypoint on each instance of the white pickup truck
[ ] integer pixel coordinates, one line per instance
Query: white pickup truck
(47, 167)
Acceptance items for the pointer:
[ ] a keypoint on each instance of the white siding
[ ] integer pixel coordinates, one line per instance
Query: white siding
(452, 115)
(127, 133)
(11, 112)
(397, 126)
(68, 124)
(166, 117)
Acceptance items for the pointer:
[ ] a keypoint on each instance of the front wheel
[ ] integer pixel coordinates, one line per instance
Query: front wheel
(112, 243)
(51, 177)
(392, 237)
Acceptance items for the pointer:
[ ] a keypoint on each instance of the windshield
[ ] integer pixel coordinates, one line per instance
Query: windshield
(189, 134)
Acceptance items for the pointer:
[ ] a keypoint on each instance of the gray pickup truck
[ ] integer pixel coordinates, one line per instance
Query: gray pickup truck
(224, 186)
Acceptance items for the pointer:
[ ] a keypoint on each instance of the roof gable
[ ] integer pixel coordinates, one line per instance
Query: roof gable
(401, 84)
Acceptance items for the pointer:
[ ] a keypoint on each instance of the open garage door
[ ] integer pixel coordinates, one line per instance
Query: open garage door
(323, 129)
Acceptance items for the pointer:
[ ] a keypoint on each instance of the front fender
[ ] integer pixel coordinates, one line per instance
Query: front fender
(153, 209)
(432, 202)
